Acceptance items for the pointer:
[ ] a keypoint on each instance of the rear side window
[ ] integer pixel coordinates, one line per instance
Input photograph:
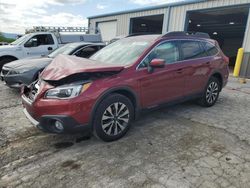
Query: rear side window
(210, 48)
(192, 50)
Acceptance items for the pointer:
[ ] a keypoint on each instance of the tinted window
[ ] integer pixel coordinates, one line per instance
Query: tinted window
(168, 51)
(192, 49)
(38, 40)
(87, 51)
(210, 48)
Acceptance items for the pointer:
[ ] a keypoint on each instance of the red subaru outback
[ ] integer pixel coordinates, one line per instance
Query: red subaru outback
(105, 93)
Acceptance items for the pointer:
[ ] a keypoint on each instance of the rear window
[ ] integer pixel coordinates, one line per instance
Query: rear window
(192, 49)
(210, 48)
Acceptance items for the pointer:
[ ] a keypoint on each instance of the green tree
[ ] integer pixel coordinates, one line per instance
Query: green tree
(4, 39)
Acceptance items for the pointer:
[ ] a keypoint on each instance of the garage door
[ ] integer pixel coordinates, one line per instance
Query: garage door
(108, 30)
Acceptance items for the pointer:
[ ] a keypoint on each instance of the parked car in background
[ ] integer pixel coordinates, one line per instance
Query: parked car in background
(104, 93)
(3, 43)
(40, 41)
(25, 71)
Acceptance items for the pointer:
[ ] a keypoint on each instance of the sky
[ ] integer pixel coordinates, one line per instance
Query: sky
(18, 15)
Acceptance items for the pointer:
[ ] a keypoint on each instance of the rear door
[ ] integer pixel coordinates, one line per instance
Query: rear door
(197, 65)
(163, 84)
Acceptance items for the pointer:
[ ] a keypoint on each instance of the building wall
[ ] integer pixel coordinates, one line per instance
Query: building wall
(178, 15)
(123, 20)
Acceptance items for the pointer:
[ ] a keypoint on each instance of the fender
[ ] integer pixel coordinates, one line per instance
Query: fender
(113, 90)
(213, 73)
(10, 56)
(9, 53)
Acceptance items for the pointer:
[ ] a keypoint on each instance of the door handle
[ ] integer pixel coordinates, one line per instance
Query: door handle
(50, 48)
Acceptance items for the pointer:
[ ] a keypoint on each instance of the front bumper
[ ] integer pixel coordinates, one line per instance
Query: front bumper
(74, 114)
(47, 124)
(17, 80)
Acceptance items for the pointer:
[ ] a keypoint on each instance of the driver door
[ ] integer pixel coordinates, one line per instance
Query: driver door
(163, 84)
(39, 45)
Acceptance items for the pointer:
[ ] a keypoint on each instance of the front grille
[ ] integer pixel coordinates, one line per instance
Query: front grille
(33, 91)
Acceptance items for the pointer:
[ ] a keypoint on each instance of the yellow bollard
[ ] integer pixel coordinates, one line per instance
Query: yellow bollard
(238, 62)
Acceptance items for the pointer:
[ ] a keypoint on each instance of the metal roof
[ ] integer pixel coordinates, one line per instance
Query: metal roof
(184, 2)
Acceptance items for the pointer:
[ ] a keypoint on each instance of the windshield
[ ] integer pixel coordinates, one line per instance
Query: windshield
(125, 51)
(66, 50)
(20, 40)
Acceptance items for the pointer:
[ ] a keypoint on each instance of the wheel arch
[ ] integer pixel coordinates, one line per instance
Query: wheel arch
(125, 91)
(9, 56)
(219, 77)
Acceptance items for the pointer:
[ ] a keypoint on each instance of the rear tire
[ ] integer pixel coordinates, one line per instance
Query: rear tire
(211, 93)
(113, 117)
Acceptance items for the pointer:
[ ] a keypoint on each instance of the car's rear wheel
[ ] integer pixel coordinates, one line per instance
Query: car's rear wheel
(211, 92)
(113, 117)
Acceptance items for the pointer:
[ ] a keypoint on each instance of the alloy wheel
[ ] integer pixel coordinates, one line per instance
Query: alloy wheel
(115, 118)
(212, 92)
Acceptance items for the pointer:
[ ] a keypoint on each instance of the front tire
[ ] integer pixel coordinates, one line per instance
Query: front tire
(211, 92)
(113, 117)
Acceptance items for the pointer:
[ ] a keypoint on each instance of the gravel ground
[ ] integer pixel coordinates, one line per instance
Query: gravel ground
(179, 146)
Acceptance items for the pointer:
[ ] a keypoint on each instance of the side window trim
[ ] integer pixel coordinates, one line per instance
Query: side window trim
(208, 55)
(180, 51)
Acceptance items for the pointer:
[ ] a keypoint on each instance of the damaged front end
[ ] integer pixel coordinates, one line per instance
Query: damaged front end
(80, 77)
(65, 88)
(62, 99)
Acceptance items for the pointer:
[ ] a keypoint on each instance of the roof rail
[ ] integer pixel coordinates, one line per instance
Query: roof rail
(187, 33)
(57, 29)
(141, 33)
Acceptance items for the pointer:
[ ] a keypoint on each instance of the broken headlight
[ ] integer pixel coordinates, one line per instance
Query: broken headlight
(66, 92)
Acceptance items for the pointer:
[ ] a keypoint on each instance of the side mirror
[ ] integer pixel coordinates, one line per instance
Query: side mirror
(157, 63)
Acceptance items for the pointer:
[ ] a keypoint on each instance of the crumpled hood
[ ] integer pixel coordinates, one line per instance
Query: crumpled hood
(65, 65)
(28, 63)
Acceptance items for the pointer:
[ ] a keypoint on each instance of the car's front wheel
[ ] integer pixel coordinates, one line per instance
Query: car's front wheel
(113, 117)
(211, 92)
